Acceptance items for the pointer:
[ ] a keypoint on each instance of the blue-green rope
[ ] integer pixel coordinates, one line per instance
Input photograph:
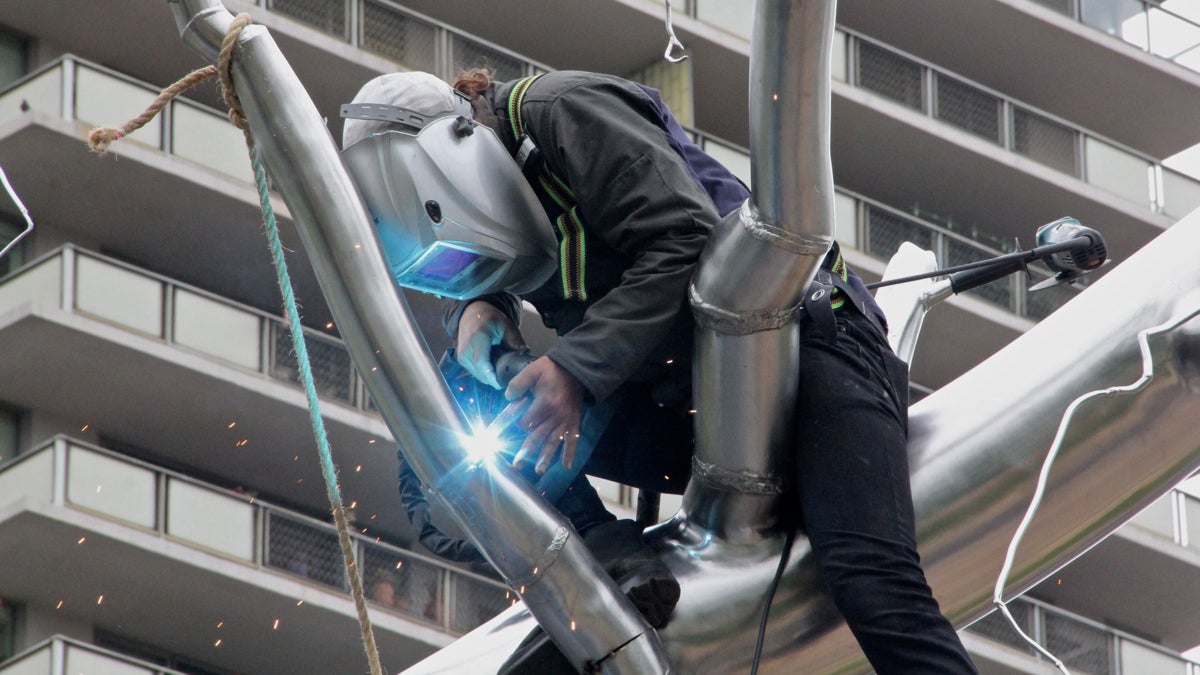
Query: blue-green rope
(328, 470)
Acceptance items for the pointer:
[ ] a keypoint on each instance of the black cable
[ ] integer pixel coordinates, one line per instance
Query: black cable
(762, 624)
(1017, 256)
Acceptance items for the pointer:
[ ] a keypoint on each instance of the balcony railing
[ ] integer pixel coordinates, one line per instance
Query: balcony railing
(1176, 516)
(1013, 126)
(71, 473)
(1084, 646)
(183, 316)
(63, 656)
(1166, 28)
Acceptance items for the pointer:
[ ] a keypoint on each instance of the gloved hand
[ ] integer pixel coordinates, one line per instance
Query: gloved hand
(553, 418)
(481, 327)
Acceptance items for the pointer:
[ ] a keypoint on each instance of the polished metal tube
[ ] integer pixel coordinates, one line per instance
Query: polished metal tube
(753, 274)
(577, 604)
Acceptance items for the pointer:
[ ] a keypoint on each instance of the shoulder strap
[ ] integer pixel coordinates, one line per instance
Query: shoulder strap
(572, 247)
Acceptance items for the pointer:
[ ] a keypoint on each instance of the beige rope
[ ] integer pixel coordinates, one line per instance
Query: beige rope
(99, 139)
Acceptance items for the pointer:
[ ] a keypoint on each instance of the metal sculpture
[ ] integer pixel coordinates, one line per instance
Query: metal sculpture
(976, 445)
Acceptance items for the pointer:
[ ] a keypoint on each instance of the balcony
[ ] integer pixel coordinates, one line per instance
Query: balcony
(1149, 570)
(207, 383)
(63, 656)
(1084, 646)
(173, 534)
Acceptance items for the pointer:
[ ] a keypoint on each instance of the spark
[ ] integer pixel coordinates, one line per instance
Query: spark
(85, 427)
(398, 564)
(354, 504)
(296, 458)
(217, 643)
(100, 599)
(98, 488)
(358, 468)
(81, 540)
(60, 604)
(371, 442)
(220, 623)
(301, 602)
(670, 361)
(276, 626)
(521, 591)
(299, 481)
(692, 411)
(357, 245)
(329, 325)
(572, 625)
(535, 571)
(231, 425)
(774, 97)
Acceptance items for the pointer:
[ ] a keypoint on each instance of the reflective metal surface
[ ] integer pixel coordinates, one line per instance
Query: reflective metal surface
(521, 536)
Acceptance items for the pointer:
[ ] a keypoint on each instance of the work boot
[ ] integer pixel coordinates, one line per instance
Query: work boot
(644, 579)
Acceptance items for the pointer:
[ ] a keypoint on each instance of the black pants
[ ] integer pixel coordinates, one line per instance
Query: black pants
(856, 503)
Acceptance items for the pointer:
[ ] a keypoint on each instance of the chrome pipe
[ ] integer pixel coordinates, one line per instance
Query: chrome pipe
(747, 343)
(528, 543)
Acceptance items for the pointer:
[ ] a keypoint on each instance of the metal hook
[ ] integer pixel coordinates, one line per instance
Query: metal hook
(674, 41)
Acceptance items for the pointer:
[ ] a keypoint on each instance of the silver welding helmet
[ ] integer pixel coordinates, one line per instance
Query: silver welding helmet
(454, 213)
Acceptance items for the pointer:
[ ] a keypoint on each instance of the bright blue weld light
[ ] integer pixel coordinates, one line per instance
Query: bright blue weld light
(482, 444)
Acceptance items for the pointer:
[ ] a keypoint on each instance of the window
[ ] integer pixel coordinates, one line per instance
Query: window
(9, 438)
(13, 63)
(10, 230)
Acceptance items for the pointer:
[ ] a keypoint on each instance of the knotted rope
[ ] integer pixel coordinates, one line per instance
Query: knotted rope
(100, 139)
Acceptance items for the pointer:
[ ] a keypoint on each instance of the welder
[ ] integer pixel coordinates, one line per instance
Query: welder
(581, 195)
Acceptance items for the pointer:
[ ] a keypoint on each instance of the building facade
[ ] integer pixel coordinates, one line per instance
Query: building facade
(161, 505)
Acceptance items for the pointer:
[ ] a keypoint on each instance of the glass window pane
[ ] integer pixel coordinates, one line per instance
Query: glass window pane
(32, 477)
(42, 93)
(40, 285)
(112, 487)
(1181, 194)
(839, 68)
(999, 292)
(735, 160)
(101, 99)
(1191, 511)
(1121, 18)
(845, 209)
(397, 36)
(1136, 658)
(12, 59)
(1172, 37)
(210, 519)
(1117, 171)
(890, 75)
(119, 295)
(1159, 517)
(80, 660)
(1060, 6)
(218, 329)
(735, 16)
(210, 140)
(1044, 141)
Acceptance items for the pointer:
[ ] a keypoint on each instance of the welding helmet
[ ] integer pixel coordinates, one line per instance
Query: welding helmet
(454, 213)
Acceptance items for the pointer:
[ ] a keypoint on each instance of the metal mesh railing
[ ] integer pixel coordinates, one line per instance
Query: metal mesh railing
(968, 108)
(305, 550)
(323, 15)
(996, 627)
(1082, 648)
(886, 231)
(332, 368)
(398, 36)
(403, 583)
(1045, 141)
(475, 602)
(890, 74)
(466, 53)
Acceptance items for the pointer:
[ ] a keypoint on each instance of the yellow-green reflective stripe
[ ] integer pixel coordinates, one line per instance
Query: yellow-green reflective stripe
(555, 194)
(515, 98)
(581, 252)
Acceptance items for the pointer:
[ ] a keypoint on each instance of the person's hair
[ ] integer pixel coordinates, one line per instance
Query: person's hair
(473, 82)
